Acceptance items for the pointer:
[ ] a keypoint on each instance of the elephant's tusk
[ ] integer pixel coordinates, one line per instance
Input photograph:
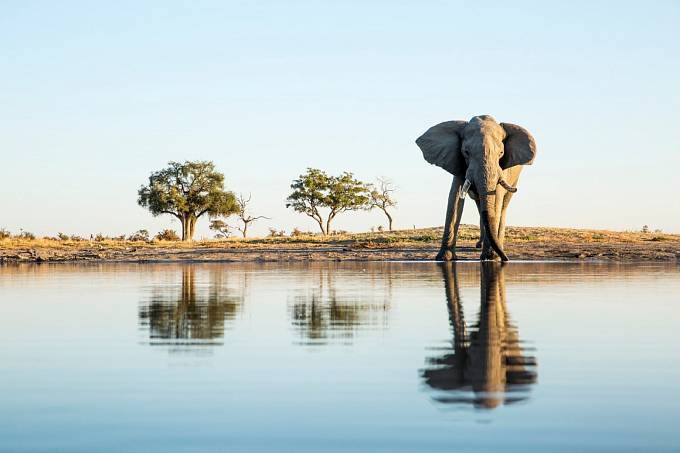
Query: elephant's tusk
(507, 186)
(464, 189)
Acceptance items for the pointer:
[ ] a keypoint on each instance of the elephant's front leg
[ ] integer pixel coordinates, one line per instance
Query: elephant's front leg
(454, 210)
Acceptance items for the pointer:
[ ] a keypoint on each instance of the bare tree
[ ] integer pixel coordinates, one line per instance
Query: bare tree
(381, 197)
(243, 215)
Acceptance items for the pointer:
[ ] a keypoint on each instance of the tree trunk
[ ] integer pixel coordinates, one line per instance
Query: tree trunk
(192, 225)
(328, 224)
(245, 229)
(320, 222)
(389, 219)
(185, 228)
(188, 225)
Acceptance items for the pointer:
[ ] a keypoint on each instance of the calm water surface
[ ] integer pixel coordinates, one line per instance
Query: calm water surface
(340, 357)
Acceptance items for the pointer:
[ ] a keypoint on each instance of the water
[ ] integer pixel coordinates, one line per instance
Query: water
(338, 357)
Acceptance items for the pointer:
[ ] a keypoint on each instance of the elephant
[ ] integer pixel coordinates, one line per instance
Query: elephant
(487, 364)
(486, 159)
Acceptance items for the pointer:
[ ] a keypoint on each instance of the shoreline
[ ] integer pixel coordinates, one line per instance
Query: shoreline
(603, 253)
(522, 244)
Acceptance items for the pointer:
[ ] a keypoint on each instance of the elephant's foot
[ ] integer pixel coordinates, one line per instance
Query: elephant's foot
(478, 245)
(446, 255)
(489, 255)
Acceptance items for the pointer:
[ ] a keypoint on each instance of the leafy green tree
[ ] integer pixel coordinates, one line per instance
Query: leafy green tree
(316, 189)
(187, 191)
(380, 197)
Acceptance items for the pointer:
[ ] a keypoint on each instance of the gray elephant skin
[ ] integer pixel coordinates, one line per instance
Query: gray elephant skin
(485, 159)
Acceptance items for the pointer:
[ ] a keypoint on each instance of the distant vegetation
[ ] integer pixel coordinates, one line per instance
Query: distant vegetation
(187, 191)
(192, 189)
(380, 197)
(224, 230)
(315, 189)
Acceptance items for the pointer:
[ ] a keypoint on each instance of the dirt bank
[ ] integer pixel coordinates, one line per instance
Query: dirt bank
(523, 243)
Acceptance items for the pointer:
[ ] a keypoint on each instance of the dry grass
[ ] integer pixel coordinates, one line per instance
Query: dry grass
(395, 239)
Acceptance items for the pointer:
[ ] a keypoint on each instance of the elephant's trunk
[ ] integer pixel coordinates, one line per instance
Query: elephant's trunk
(491, 234)
(487, 207)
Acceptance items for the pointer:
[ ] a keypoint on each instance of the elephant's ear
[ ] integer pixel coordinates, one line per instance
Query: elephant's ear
(441, 145)
(520, 146)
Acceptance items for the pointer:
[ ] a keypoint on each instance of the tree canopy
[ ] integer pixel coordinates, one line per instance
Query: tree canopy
(187, 191)
(316, 189)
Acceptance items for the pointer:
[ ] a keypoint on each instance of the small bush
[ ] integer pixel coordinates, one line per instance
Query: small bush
(426, 238)
(167, 235)
(645, 229)
(139, 235)
(100, 237)
(296, 233)
(63, 237)
(26, 235)
(5, 234)
(274, 233)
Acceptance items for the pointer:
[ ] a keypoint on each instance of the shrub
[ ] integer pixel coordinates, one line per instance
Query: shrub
(100, 237)
(645, 229)
(4, 233)
(139, 235)
(167, 235)
(427, 237)
(274, 233)
(63, 237)
(26, 235)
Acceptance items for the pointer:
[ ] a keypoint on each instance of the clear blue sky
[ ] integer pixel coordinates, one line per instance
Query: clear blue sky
(96, 95)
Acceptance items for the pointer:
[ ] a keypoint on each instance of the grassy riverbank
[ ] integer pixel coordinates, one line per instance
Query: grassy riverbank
(530, 243)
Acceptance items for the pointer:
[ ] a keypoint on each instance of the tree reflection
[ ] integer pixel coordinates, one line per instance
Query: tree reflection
(486, 359)
(320, 314)
(195, 314)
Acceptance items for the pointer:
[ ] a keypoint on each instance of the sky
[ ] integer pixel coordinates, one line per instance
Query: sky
(94, 96)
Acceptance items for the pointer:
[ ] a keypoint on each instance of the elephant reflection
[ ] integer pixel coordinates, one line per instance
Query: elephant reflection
(190, 316)
(320, 314)
(487, 360)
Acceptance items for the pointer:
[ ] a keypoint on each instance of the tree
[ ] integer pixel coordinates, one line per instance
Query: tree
(187, 191)
(221, 228)
(245, 218)
(380, 197)
(316, 189)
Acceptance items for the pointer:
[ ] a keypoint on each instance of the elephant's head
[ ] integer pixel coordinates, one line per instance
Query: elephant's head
(480, 151)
